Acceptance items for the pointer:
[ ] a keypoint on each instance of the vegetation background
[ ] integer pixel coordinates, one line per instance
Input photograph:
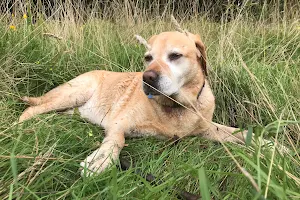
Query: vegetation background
(254, 59)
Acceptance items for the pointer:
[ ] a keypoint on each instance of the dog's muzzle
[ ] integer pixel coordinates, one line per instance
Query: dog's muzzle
(150, 79)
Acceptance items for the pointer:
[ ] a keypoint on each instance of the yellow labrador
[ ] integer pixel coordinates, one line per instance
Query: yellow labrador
(172, 97)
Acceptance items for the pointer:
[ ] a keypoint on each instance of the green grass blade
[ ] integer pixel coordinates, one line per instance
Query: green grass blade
(11, 189)
(204, 184)
(249, 135)
(13, 165)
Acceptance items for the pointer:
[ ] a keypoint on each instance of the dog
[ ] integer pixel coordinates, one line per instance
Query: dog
(172, 97)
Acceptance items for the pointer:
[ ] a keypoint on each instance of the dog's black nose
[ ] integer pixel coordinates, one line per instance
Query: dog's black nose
(150, 77)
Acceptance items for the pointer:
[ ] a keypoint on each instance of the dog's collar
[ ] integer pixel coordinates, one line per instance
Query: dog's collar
(199, 93)
(169, 109)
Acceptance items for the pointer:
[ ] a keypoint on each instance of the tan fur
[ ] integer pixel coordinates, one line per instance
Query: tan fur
(117, 101)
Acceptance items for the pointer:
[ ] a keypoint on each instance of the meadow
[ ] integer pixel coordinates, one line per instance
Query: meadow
(254, 67)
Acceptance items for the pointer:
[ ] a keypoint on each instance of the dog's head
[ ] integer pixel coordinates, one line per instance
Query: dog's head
(172, 61)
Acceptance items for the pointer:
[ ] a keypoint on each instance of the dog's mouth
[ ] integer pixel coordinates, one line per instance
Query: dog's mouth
(150, 90)
(155, 84)
(150, 82)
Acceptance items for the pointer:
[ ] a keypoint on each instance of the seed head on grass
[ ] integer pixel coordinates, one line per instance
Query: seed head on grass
(177, 26)
(53, 36)
(142, 41)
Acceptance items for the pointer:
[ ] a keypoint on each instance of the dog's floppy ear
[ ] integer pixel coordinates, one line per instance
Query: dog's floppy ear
(201, 51)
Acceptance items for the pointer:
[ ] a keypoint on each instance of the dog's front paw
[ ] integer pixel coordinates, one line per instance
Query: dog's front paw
(94, 164)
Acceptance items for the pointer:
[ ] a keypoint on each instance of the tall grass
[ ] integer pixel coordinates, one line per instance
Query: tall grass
(253, 70)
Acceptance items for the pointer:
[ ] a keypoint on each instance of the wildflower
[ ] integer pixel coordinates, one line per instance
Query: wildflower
(12, 27)
(24, 16)
(90, 133)
(12, 15)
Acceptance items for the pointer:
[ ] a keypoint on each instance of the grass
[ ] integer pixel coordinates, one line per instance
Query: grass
(254, 73)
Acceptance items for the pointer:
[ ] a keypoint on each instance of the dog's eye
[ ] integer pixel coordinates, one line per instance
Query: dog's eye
(174, 56)
(148, 58)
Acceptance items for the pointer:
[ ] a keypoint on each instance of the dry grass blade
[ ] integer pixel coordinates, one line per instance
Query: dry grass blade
(177, 25)
(39, 161)
(192, 110)
(243, 170)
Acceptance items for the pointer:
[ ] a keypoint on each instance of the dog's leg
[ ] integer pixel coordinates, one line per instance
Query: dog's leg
(104, 156)
(223, 133)
(71, 94)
